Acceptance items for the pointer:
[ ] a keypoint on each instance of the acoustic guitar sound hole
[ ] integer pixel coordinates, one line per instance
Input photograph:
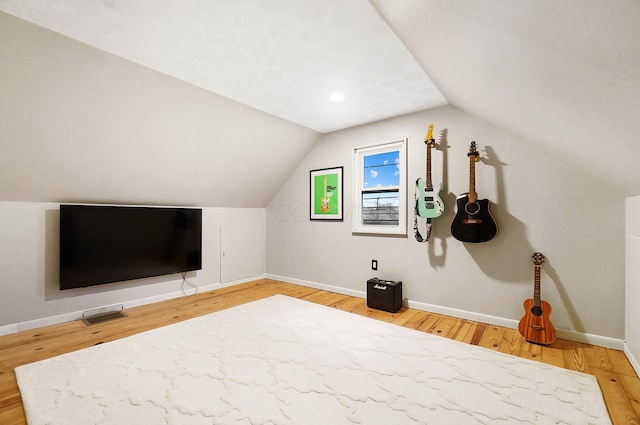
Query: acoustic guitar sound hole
(472, 208)
(536, 311)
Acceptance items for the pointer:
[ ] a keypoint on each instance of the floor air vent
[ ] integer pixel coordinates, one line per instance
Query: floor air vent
(104, 314)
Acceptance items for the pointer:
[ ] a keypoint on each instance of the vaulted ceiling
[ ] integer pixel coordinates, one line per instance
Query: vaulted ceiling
(563, 75)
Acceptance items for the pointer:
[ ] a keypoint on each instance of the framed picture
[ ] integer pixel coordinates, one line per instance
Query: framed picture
(326, 194)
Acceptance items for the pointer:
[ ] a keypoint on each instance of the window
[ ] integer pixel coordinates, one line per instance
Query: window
(380, 201)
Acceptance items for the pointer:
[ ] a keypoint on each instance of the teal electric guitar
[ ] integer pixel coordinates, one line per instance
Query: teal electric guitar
(428, 201)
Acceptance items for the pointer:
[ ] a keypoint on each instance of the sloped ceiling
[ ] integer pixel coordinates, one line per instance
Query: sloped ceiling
(284, 57)
(562, 75)
(78, 124)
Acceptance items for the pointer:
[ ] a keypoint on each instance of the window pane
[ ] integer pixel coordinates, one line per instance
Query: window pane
(381, 208)
(382, 170)
(380, 185)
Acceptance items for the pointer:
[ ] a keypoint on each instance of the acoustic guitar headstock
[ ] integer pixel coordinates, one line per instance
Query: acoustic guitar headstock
(473, 152)
(429, 140)
(538, 259)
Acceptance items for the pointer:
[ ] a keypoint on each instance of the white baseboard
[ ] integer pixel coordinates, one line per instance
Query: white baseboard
(239, 281)
(75, 315)
(8, 329)
(592, 339)
(599, 340)
(632, 359)
(316, 285)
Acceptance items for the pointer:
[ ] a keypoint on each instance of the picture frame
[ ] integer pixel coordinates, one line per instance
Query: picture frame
(326, 194)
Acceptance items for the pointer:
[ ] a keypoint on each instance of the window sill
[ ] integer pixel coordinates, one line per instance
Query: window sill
(380, 234)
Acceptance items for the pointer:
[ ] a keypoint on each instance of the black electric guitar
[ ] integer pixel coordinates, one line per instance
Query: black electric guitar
(473, 221)
(535, 326)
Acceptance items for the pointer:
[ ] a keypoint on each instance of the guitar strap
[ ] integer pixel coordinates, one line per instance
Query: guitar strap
(416, 232)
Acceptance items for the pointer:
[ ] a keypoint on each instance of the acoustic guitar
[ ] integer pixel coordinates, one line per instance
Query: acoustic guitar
(535, 326)
(428, 202)
(473, 221)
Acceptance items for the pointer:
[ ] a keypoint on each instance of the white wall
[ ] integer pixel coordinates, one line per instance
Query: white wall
(540, 205)
(632, 294)
(29, 237)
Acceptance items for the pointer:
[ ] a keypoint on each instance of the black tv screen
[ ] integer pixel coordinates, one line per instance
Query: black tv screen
(103, 244)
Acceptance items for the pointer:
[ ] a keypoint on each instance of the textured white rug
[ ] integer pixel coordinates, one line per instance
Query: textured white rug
(286, 361)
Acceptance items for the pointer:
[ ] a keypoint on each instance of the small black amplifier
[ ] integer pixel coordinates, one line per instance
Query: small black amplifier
(384, 295)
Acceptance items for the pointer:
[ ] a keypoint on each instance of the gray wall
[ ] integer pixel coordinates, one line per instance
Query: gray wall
(540, 204)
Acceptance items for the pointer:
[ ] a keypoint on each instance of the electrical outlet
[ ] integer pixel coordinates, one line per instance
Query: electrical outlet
(374, 264)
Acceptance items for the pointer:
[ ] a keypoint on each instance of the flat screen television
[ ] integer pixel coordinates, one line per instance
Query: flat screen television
(103, 244)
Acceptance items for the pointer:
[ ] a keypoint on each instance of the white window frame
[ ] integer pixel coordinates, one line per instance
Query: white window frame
(358, 227)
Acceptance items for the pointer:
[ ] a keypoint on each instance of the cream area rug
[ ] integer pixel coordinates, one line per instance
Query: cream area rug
(281, 360)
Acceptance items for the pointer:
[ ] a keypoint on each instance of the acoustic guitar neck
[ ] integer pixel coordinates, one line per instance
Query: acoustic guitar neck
(474, 157)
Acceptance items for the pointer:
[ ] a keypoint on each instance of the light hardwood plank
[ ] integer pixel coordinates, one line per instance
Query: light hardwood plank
(465, 332)
(631, 385)
(492, 337)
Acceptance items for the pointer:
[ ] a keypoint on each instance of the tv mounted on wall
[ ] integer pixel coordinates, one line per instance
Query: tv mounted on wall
(103, 244)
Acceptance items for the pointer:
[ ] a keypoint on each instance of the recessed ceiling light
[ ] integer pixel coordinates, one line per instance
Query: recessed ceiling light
(336, 96)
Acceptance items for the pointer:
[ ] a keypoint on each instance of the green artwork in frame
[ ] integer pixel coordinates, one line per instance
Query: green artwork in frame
(326, 194)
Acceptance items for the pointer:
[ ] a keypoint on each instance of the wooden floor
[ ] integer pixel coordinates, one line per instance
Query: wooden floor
(620, 384)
